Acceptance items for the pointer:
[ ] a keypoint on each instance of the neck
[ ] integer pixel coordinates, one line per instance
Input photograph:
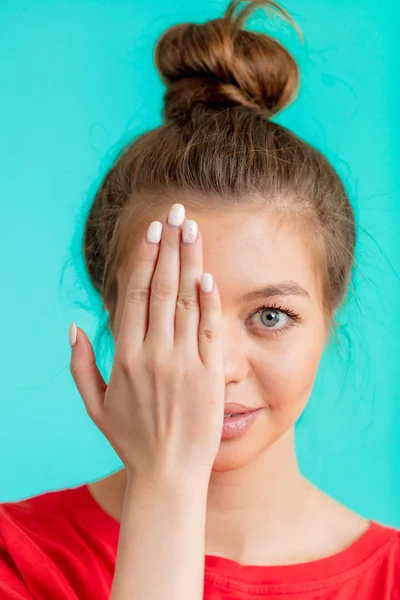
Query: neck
(260, 501)
(251, 510)
(265, 512)
(260, 483)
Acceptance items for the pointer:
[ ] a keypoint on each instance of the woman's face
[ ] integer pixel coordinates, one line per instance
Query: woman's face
(271, 354)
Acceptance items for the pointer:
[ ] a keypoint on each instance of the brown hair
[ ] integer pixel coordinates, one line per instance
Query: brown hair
(218, 148)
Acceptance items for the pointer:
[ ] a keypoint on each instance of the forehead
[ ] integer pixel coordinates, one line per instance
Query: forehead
(246, 249)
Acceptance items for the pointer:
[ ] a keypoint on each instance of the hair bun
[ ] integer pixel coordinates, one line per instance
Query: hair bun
(218, 64)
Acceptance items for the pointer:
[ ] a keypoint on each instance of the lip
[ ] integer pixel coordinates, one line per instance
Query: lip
(234, 427)
(232, 408)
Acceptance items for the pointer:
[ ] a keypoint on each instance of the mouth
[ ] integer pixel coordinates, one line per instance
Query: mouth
(235, 426)
(234, 410)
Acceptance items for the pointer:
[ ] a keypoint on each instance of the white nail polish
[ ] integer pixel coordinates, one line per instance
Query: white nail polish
(154, 232)
(72, 333)
(189, 231)
(206, 282)
(176, 214)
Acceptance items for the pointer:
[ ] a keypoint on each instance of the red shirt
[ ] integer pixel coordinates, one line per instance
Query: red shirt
(62, 545)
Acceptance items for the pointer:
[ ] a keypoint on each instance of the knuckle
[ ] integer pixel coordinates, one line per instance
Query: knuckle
(187, 301)
(156, 362)
(125, 360)
(162, 288)
(93, 413)
(74, 368)
(137, 295)
(208, 334)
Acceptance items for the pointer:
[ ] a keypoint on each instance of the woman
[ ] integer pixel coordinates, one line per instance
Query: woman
(208, 505)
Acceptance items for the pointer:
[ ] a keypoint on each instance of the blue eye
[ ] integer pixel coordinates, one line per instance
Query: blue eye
(275, 318)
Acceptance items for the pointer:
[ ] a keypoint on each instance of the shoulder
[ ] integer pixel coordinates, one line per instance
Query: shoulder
(25, 527)
(31, 513)
(382, 551)
(340, 527)
(61, 532)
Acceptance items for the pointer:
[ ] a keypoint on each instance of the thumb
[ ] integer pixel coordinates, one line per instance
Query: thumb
(87, 377)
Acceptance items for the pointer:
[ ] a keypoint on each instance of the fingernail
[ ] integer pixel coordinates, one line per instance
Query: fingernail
(176, 214)
(206, 282)
(189, 231)
(154, 232)
(72, 333)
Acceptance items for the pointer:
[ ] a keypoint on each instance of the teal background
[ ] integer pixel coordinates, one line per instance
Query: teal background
(78, 82)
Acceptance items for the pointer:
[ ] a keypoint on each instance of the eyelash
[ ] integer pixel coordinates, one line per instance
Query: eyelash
(294, 317)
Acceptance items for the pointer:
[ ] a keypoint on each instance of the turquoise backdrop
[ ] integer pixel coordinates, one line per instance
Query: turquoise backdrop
(78, 82)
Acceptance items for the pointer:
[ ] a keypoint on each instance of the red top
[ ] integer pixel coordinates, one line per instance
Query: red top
(62, 545)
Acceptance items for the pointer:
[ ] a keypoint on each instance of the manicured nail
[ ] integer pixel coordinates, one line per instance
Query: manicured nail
(189, 231)
(206, 282)
(176, 214)
(154, 232)
(72, 333)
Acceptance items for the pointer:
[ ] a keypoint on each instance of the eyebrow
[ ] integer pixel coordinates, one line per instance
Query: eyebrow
(287, 288)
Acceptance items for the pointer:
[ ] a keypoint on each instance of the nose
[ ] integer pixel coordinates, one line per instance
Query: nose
(235, 360)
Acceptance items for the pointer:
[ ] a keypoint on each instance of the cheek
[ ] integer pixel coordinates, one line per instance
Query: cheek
(289, 371)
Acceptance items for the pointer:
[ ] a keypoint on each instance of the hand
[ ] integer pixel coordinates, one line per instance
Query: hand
(163, 408)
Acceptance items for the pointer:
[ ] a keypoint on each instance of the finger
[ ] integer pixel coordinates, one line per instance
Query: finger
(210, 327)
(87, 377)
(165, 283)
(134, 319)
(188, 302)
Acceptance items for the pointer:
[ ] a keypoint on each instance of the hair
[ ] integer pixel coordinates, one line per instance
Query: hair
(218, 149)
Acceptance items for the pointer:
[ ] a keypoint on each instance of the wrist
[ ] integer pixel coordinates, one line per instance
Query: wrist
(152, 484)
